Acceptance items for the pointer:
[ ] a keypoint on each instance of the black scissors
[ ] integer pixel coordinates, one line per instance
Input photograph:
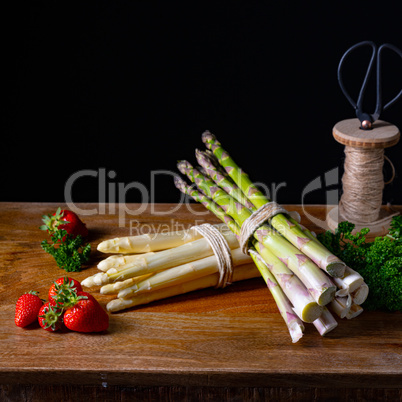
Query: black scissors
(366, 119)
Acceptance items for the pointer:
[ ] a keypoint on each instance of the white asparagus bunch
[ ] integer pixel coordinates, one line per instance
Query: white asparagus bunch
(240, 273)
(182, 273)
(159, 261)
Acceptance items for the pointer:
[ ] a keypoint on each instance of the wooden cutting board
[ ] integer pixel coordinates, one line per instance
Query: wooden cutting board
(233, 337)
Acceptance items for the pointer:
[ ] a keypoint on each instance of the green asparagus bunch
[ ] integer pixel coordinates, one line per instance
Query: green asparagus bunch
(287, 255)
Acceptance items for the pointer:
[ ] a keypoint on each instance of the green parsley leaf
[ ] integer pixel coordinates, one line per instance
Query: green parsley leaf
(69, 252)
(379, 262)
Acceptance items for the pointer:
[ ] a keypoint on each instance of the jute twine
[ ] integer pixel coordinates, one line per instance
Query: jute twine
(251, 224)
(221, 250)
(363, 184)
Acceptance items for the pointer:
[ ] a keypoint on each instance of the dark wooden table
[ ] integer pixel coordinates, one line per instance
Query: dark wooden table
(211, 344)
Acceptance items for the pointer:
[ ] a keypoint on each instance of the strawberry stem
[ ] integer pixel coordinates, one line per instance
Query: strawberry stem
(51, 316)
(67, 297)
(52, 222)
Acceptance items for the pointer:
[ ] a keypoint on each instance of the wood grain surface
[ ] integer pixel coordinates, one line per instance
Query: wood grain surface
(232, 337)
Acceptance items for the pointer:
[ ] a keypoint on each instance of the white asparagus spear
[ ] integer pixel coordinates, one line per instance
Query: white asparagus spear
(182, 273)
(151, 242)
(114, 288)
(118, 261)
(240, 273)
(354, 311)
(325, 323)
(360, 294)
(160, 260)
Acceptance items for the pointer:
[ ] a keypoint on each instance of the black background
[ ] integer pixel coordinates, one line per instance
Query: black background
(129, 86)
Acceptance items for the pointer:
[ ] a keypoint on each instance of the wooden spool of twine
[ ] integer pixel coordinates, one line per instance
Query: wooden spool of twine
(363, 180)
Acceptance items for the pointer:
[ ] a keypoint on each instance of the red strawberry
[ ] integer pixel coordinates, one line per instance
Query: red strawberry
(27, 309)
(50, 317)
(62, 285)
(85, 314)
(63, 219)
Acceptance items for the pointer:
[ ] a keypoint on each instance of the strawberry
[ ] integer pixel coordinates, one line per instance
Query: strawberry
(62, 285)
(83, 313)
(27, 309)
(50, 317)
(63, 219)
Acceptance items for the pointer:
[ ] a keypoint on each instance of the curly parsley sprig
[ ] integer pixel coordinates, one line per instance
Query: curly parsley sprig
(70, 252)
(379, 262)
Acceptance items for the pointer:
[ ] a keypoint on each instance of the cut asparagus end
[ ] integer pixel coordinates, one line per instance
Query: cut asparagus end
(296, 331)
(360, 294)
(354, 311)
(310, 313)
(340, 306)
(336, 269)
(325, 323)
(349, 282)
(326, 296)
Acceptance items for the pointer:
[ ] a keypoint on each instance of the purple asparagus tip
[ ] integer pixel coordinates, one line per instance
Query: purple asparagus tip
(183, 166)
(208, 137)
(179, 183)
(200, 157)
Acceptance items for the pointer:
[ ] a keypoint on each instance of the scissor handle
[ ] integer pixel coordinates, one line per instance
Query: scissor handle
(379, 107)
(359, 104)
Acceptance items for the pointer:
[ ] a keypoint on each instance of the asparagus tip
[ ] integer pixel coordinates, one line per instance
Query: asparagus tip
(178, 182)
(183, 166)
(207, 137)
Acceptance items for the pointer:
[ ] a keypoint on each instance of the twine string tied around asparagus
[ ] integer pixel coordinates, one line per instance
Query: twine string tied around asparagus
(257, 218)
(221, 250)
